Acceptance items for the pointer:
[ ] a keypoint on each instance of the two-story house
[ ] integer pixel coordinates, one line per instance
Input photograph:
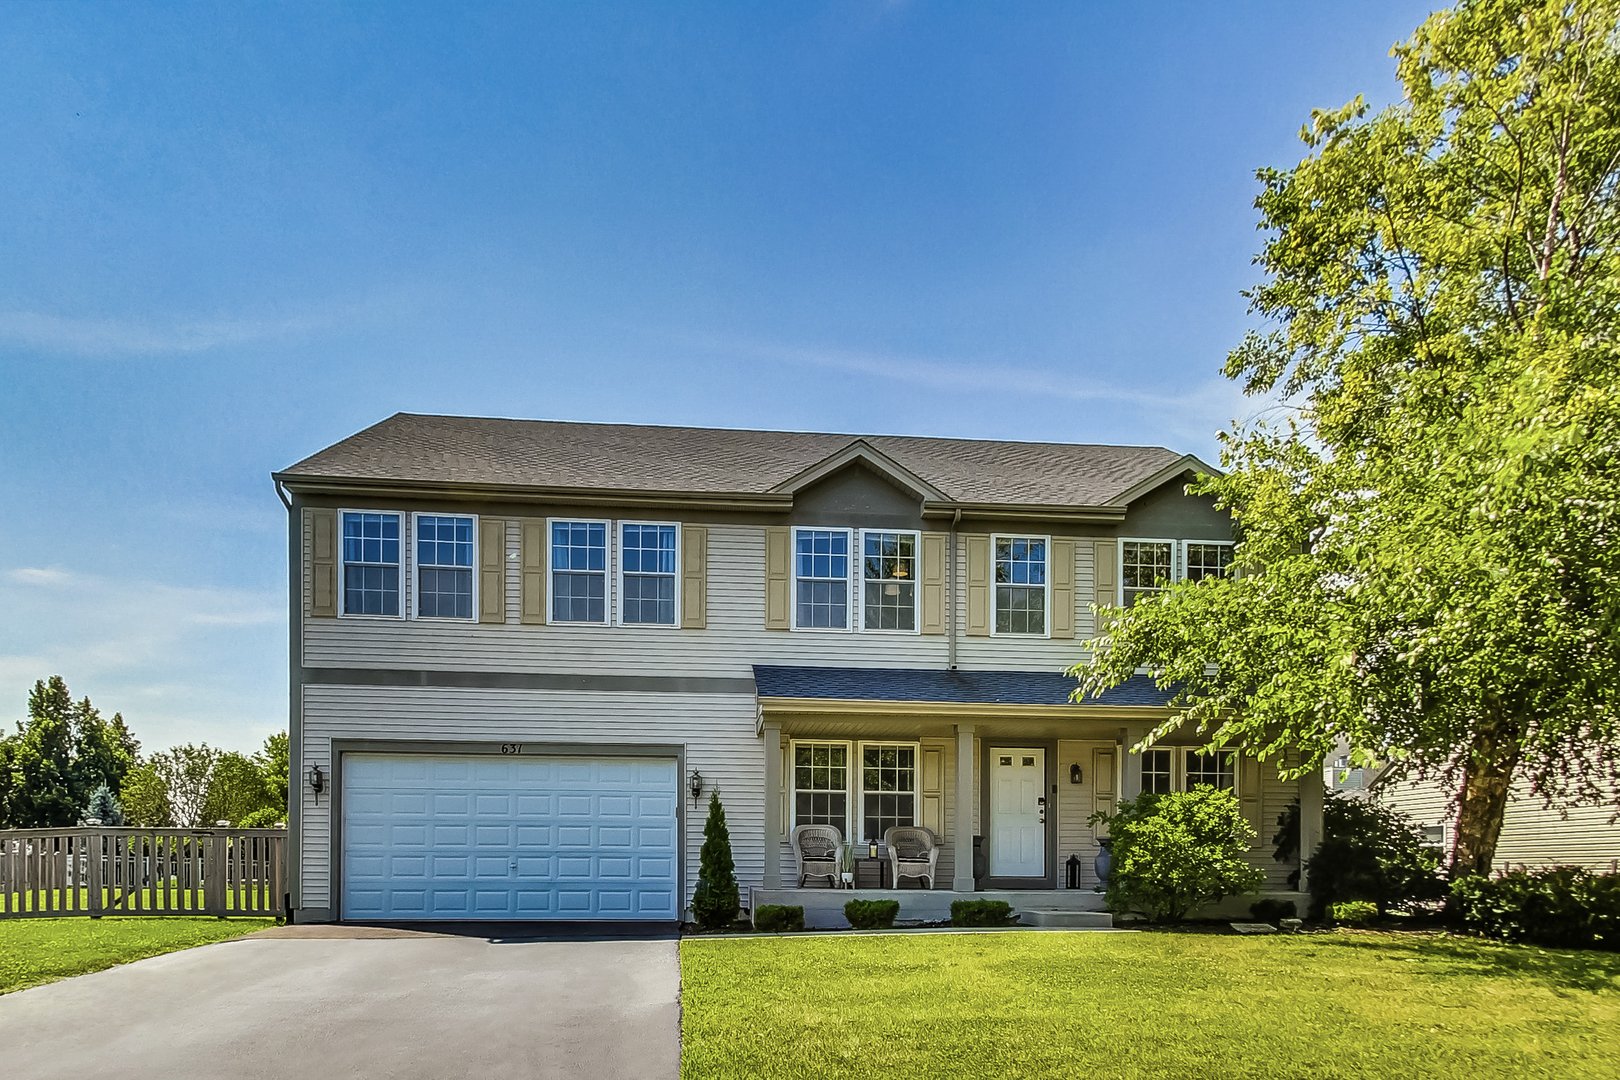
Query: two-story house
(524, 653)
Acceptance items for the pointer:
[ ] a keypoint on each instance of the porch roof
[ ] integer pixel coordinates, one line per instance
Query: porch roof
(947, 687)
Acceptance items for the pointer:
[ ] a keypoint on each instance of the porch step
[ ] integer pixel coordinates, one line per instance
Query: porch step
(1067, 919)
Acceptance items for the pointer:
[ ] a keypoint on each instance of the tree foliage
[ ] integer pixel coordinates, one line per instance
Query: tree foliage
(58, 757)
(1437, 523)
(104, 808)
(1369, 851)
(1175, 853)
(715, 901)
(146, 798)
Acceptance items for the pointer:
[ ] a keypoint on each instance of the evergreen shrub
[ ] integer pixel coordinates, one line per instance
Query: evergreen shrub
(1563, 906)
(779, 918)
(981, 913)
(1272, 910)
(1354, 912)
(872, 914)
(715, 901)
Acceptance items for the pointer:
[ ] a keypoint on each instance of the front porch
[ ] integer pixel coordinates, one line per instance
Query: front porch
(824, 908)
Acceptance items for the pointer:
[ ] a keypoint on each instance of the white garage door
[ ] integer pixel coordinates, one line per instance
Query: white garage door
(461, 837)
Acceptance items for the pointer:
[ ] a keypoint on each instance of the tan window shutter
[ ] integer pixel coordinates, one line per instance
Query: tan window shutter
(778, 577)
(491, 570)
(1104, 793)
(1103, 574)
(933, 790)
(532, 587)
(934, 547)
(695, 577)
(323, 563)
(978, 585)
(1063, 588)
(1248, 793)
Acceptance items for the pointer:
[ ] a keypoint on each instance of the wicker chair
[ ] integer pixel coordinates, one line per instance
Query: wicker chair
(817, 849)
(913, 853)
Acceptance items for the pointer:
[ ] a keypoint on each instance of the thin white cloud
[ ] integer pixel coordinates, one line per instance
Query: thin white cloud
(114, 337)
(182, 664)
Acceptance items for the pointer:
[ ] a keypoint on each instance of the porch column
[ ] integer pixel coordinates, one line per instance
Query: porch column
(773, 804)
(962, 878)
(1310, 821)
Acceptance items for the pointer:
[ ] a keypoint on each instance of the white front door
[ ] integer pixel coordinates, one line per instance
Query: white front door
(1017, 812)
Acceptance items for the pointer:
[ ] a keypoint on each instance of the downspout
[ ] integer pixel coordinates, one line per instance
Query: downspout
(950, 605)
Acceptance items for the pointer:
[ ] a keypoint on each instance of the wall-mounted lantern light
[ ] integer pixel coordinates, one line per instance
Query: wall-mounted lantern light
(317, 779)
(696, 785)
(1074, 773)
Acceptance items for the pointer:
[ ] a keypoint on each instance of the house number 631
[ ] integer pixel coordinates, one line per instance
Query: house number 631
(511, 748)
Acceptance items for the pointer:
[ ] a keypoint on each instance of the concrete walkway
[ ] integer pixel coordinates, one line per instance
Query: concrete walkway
(391, 1004)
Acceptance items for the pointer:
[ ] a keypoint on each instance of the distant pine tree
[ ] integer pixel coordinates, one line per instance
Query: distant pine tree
(714, 903)
(104, 807)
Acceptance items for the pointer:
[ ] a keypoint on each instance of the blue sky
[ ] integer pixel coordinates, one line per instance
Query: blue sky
(232, 235)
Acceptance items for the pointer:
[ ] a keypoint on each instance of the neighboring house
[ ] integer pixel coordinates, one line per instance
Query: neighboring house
(523, 653)
(1533, 834)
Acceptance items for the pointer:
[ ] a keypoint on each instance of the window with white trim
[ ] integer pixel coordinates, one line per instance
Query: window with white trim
(1157, 778)
(1206, 558)
(647, 574)
(821, 785)
(1146, 566)
(889, 579)
(821, 579)
(370, 564)
(444, 559)
(1020, 574)
(888, 787)
(579, 559)
(1434, 837)
(1217, 769)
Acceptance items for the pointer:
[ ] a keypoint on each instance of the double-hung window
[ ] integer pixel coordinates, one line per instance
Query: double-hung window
(1215, 769)
(821, 579)
(370, 564)
(1149, 566)
(821, 785)
(1157, 778)
(647, 569)
(579, 560)
(1146, 566)
(444, 559)
(1204, 558)
(889, 577)
(888, 787)
(1020, 584)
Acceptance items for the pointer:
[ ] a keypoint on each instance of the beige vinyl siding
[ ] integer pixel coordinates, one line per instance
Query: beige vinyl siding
(1075, 805)
(1275, 796)
(717, 730)
(1532, 834)
(735, 639)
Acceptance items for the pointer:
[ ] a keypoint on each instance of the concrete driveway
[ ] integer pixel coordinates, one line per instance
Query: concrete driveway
(345, 1003)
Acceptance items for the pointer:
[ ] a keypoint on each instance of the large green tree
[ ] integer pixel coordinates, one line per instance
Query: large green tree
(1430, 544)
(59, 756)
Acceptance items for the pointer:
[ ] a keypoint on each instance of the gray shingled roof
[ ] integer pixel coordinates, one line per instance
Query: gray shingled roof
(553, 454)
(957, 687)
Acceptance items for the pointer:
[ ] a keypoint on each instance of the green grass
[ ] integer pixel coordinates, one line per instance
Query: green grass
(179, 900)
(34, 951)
(1145, 1005)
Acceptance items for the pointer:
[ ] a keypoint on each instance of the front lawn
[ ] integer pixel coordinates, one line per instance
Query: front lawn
(1145, 1005)
(34, 951)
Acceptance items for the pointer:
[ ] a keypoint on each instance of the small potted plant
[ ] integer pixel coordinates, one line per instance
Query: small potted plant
(846, 865)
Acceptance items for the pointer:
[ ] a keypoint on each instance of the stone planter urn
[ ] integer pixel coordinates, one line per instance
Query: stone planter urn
(1104, 862)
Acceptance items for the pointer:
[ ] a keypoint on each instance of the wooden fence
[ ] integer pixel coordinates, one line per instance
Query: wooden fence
(97, 871)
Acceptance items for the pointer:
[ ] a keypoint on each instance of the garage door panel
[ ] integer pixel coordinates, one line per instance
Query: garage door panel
(442, 837)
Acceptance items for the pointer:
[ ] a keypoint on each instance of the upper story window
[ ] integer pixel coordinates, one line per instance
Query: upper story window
(821, 579)
(1020, 584)
(579, 560)
(647, 558)
(444, 558)
(370, 564)
(1207, 559)
(1148, 566)
(889, 573)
